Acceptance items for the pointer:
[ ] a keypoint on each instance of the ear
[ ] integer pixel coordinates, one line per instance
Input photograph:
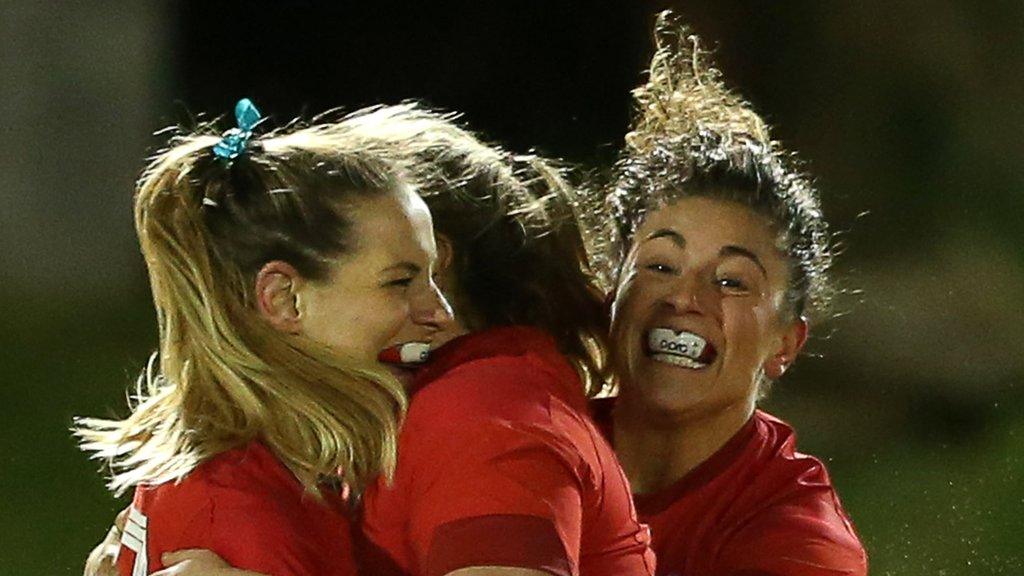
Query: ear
(445, 253)
(792, 340)
(444, 273)
(277, 288)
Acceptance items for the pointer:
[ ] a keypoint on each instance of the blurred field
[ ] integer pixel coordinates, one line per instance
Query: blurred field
(909, 115)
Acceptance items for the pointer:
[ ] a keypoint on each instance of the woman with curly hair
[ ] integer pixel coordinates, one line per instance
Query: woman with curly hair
(724, 257)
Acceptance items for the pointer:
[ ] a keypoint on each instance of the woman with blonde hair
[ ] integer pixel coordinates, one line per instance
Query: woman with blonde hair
(280, 266)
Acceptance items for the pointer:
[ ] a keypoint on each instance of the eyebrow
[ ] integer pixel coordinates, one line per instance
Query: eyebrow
(669, 233)
(732, 250)
(409, 267)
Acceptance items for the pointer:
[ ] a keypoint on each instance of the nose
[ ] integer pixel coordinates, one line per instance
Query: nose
(685, 294)
(431, 309)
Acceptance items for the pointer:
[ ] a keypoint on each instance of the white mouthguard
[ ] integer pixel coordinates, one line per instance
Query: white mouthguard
(413, 352)
(668, 341)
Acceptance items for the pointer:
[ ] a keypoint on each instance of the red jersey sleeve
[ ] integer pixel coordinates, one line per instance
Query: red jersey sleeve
(495, 493)
(794, 543)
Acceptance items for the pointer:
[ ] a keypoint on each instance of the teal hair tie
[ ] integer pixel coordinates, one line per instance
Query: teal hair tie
(235, 140)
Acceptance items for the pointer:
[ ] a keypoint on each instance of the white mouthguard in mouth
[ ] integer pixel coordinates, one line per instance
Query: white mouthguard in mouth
(408, 353)
(681, 348)
(414, 352)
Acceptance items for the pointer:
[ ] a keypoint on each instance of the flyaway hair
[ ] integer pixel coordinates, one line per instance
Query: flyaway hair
(685, 100)
(692, 136)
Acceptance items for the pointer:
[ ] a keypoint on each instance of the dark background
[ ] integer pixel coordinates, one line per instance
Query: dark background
(910, 115)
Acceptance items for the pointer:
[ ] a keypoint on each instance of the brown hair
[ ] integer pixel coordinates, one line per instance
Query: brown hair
(519, 252)
(691, 136)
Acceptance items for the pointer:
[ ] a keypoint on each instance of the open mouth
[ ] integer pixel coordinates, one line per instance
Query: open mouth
(408, 354)
(680, 348)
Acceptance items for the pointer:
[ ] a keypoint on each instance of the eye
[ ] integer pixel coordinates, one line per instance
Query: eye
(400, 282)
(731, 283)
(660, 268)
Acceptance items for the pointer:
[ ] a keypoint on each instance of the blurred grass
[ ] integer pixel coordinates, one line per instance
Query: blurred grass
(939, 508)
(929, 495)
(68, 359)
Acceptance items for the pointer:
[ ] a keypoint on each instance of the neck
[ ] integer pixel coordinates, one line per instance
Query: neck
(657, 452)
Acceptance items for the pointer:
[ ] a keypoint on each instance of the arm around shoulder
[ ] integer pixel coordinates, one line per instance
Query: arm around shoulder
(497, 571)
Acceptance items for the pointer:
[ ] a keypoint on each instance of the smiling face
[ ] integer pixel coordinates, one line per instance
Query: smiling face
(411, 347)
(699, 312)
(382, 286)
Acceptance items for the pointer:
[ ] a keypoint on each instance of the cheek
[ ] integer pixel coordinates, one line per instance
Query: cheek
(632, 296)
(622, 295)
(626, 328)
(329, 321)
(746, 326)
(353, 319)
(385, 312)
(740, 319)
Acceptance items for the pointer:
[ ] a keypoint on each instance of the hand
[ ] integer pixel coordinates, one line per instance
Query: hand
(198, 562)
(101, 560)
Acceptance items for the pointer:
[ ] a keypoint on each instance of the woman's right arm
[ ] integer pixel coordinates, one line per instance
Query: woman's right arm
(206, 563)
(497, 571)
(198, 563)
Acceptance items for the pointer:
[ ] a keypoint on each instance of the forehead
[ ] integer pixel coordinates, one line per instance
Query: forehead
(712, 223)
(392, 224)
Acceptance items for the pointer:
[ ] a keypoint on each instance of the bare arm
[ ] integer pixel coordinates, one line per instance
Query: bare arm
(101, 560)
(496, 571)
(198, 563)
(206, 563)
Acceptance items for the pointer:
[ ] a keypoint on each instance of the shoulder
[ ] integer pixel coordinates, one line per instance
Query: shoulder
(789, 480)
(223, 474)
(517, 388)
(800, 523)
(248, 480)
(251, 469)
(491, 412)
(784, 541)
(246, 506)
(783, 472)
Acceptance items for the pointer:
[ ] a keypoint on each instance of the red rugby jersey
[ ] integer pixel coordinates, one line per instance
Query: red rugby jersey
(248, 508)
(756, 507)
(500, 464)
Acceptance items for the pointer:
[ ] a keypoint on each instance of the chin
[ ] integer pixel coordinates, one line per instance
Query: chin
(664, 389)
(404, 376)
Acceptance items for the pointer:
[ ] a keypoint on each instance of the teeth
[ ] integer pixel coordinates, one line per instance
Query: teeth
(681, 361)
(682, 344)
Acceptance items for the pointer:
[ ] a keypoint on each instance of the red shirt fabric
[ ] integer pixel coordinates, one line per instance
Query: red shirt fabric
(757, 507)
(499, 464)
(247, 507)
